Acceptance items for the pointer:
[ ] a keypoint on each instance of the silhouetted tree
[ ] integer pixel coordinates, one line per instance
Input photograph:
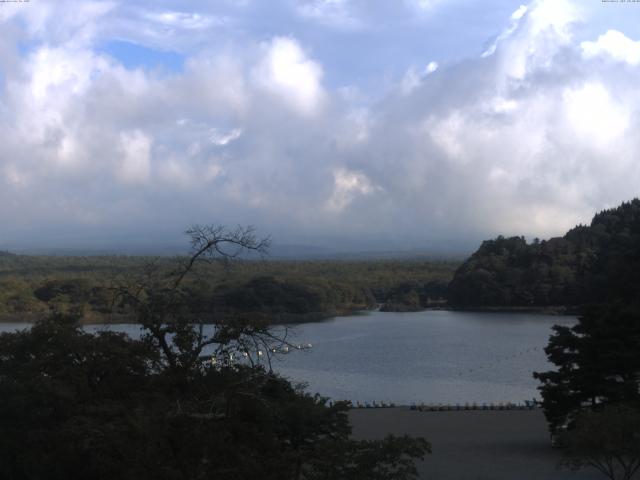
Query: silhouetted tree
(597, 363)
(607, 440)
(174, 405)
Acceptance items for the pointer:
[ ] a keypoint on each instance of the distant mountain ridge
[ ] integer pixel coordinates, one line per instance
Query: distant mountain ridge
(594, 263)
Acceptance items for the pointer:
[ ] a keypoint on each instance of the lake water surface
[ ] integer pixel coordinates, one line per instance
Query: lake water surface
(430, 356)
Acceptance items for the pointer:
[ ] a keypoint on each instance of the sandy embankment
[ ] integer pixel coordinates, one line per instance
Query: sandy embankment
(474, 445)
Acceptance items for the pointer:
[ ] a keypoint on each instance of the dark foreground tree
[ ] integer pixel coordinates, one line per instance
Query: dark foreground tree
(598, 363)
(607, 440)
(174, 404)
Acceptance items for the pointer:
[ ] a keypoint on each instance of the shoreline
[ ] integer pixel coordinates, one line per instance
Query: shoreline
(312, 317)
(559, 310)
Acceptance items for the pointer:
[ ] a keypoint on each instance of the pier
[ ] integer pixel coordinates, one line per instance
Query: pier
(450, 407)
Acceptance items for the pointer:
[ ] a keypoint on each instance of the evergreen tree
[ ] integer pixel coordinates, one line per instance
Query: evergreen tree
(597, 363)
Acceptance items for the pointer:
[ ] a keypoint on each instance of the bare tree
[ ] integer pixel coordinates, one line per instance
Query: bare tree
(163, 305)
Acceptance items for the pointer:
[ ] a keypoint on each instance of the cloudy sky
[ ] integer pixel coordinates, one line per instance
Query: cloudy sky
(411, 124)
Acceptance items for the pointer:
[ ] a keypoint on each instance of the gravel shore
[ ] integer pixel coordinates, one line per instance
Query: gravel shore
(474, 445)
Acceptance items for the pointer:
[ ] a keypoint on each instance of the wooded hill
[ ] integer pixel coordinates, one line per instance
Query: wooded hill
(590, 264)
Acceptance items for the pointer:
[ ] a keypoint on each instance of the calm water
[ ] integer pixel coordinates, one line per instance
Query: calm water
(432, 356)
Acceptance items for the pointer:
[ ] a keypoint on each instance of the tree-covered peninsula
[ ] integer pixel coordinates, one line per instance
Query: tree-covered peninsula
(589, 264)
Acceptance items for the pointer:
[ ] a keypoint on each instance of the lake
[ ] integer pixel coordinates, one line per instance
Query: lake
(432, 356)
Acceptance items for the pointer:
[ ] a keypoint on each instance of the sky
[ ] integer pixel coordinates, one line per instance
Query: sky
(343, 124)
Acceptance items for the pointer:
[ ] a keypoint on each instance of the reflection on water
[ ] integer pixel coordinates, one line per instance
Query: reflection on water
(432, 356)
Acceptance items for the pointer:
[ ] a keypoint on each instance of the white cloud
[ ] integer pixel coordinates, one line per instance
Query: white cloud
(413, 77)
(614, 44)
(332, 13)
(498, 105)
(431, 67)
(424, 5)
(135, 164)
(64, 22)
(528, 139)
(53, 69)
(183, 20)
(213, 171)
(15, 177)
(446, 133)
(176, 173)
(348, 185)
(287, 72)
(594, 115)
(555, 15)
(222, 139)
(354, 129)
(515, 21)
(213, 83)
(536, 34)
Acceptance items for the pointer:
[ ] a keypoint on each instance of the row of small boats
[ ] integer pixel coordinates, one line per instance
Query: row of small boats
(440, 407)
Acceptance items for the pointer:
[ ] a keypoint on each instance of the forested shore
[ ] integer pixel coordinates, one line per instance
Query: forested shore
(591, 263)
(278, 291)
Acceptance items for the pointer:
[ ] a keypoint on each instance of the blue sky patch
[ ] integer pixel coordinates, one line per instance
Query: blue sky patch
(132, 55)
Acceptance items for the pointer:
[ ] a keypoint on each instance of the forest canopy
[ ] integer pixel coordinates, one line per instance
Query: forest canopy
(283, 291)
(590, 264)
